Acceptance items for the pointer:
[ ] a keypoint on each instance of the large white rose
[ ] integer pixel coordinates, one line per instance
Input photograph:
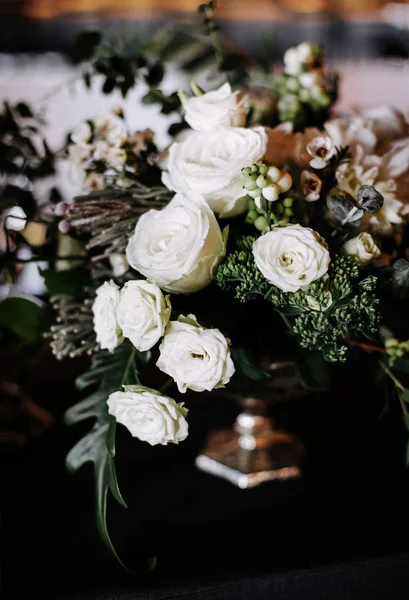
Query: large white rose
(195, 357)
(361, 248)
(218, 108)
(109, 334)
(143, 313)
(291, 257)
(210, 163)
(149, 415)
(179, 247)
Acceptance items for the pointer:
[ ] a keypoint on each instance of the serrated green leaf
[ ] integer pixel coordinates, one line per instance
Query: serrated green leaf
(110, 371)
(23, 317)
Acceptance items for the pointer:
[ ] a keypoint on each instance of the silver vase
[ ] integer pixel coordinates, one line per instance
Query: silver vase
(254, 451)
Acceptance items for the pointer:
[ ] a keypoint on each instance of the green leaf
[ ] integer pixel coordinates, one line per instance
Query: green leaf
(108, 373)
(155, 74)
(406, 421)
(405, 395)
(24, 110)
(67, 283)
(245, 365)
(314, 370)
(109, 85)
(23, 317)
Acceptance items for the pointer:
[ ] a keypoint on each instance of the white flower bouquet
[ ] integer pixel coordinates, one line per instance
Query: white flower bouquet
(266, 216)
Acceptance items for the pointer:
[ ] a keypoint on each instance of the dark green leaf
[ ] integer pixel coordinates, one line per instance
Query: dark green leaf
(405, 395)
(150, 98)
(230, 62)
(290, 311)
(176, 128)
(155, 74)
(406, 421)
(109, 85)
(67, 283)
(85, 45)
(245, 365)
(401, 365)
(24, 110)
(23, 317)
(108, 372)
(314, 370)
(87, 80)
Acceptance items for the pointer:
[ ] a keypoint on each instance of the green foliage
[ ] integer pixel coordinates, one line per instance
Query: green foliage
(68, 283)
(333, 308)
(245, 365)
(109, 372)
(23, 317)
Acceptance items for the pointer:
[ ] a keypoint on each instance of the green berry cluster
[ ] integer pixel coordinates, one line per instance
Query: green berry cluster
(270, 203)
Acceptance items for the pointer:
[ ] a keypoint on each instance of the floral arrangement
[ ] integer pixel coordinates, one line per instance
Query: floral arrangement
(266, 216)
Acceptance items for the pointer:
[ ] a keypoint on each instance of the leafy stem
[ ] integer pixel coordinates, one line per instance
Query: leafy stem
(399, 385)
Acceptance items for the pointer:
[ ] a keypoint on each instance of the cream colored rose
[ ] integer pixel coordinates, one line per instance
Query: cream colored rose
(210, 163)
(109, 334)
(291, 257)
(195, 357)
(361, 248)
(148, 415)
(218, 108)
(143, 313)
(179, 247)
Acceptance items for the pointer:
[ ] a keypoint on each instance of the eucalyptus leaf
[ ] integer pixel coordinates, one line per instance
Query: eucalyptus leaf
(369, 199)
(400, 277)
(344, 212)
(24, 318)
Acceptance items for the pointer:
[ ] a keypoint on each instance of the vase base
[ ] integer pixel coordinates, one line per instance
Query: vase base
(246, 468)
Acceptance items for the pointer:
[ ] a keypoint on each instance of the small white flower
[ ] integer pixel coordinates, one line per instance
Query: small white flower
(149, 415)
(218, 108)
(93, 181)
(210, 163)
(291, 257)
(119, 264)
(15, 218)
(195, 357)
(82, 133)
(322, 150)
(143, 313)
(311, 80)
(110, 129)
(178, 247)
(311, 186)
(361, 248)
(105, 306)
(298, 59)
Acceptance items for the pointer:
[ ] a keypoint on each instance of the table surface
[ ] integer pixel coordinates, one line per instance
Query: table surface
(341, 531)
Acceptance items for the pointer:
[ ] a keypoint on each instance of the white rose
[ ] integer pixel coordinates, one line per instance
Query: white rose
(179, 247)
(148, 415)
(210, 163)
(109, 335)
(143, 313)
(195, 357)
(291, 257)
(361, 248)
(218, 108)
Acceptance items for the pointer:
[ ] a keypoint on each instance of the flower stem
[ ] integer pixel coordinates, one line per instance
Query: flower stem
(128, 366)
(400, 387)
(365, 346)
(166, 385)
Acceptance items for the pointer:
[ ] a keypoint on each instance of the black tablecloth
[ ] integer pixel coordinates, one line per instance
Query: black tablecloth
(339, 532)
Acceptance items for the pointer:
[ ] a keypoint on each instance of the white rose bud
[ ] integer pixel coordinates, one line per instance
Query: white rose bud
(291, 257)
(210, 163)
(361, 248)
(179, 247)
(218, 108)
(119, 264)
(195, 357)
(143, 313)
(148, 415)
(109, 334)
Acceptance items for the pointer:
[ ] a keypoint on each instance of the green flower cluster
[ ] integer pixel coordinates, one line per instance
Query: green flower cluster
(396, 349)
(337, 306)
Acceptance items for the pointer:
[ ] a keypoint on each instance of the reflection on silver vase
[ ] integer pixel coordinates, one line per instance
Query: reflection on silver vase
(253, 451)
